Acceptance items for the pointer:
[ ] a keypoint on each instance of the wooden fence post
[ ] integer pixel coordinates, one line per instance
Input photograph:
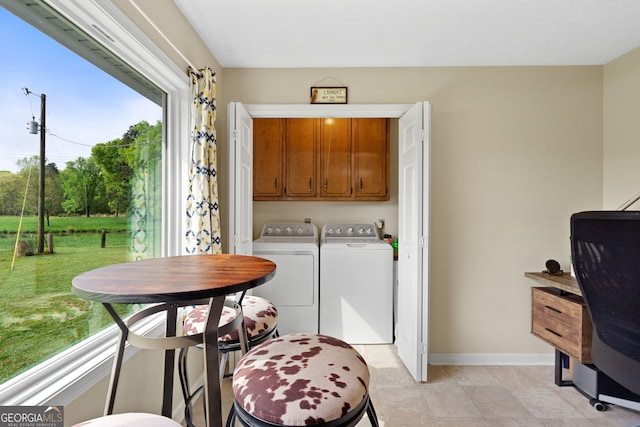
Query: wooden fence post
(50, 242)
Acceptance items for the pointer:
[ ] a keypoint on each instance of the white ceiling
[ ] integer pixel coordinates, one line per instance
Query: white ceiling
(406, 33)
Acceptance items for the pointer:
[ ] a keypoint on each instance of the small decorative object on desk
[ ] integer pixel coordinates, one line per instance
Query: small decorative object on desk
(553, 267)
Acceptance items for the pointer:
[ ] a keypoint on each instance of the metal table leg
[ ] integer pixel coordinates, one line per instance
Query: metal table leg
(169, 343)
(117, 362)
(169, 362)
(212, 393)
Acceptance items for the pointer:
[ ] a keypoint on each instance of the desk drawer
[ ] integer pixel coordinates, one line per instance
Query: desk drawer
(562, 321)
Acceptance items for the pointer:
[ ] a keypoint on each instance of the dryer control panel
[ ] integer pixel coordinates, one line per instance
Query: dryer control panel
(351, 231)
(289, 230)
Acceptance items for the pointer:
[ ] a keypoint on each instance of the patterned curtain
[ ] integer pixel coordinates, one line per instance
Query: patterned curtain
(203, 216)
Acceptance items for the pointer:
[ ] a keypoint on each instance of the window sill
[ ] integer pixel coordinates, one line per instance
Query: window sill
(67, 375)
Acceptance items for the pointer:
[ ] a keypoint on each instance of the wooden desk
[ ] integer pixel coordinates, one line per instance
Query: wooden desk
(173, 282)
(559, 317)
(566, 282)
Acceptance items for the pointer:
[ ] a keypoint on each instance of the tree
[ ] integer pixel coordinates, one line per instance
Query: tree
(144, 156)
(128, 158)
(81, 179)
(29, 170)
(54, 193)
(11, 188)
(144, 143)
(111, 158)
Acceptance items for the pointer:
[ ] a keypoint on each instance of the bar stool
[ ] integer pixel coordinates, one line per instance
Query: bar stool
(300, 380)
(132, 419)
(260, 318)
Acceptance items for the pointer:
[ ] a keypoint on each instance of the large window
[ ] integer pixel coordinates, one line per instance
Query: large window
(103, 186)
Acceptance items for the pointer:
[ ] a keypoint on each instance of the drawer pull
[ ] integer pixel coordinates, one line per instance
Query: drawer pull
(553, 332)
(553, 309)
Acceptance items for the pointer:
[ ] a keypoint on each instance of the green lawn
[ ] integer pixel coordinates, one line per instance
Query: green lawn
(39, 316)
(9, 224)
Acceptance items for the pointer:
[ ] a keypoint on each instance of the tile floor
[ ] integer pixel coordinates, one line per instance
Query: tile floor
(473, 396)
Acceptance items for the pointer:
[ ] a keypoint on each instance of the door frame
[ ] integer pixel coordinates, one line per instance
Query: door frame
(392, 111)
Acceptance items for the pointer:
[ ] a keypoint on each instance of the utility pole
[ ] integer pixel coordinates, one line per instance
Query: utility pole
(43, 111)
(43, 108)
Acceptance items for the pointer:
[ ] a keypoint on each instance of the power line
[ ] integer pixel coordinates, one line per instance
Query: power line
(106, 146)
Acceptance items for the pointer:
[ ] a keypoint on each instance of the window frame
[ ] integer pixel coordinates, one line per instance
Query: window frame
(126, 40)
(64, 377)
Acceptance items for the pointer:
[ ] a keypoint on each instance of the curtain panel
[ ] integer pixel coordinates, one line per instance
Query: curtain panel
(203, 208)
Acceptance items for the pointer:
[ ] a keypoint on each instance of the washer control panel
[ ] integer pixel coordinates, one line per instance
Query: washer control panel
(289, 230)
(351, 231)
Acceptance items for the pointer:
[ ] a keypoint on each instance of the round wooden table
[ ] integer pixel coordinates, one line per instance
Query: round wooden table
(173, 282)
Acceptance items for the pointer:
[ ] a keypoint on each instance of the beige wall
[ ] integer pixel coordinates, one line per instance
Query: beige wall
(622, 130)
(515, 150)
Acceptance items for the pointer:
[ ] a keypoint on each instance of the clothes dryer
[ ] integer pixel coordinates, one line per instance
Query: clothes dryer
(295, 288)
(356, 284)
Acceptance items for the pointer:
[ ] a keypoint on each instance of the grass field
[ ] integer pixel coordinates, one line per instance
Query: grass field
(39, 316)
(9, 224)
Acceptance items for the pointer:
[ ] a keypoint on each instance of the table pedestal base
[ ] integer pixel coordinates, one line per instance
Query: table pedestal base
(169, 343)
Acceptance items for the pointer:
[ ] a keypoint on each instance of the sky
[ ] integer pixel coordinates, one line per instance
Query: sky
(84, 105)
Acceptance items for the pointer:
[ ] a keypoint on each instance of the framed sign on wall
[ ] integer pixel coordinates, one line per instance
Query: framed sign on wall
(328, 95)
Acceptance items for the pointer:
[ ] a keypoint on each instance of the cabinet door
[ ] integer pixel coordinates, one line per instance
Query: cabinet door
(335, 159)
(301, 159)
(268, 149)
(371, 155)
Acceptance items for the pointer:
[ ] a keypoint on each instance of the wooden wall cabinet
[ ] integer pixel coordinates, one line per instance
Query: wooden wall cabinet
(371, 157)
(300, 154)
(321, 159)
(268, 150)
(336, 179)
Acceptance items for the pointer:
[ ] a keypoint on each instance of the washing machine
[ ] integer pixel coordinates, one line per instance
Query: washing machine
(356, 284)
(295, 288)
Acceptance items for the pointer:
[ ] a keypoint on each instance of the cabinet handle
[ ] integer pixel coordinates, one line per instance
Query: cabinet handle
(553, 332)
(326, 184)
(310, 187)
(361, 183)
(553, 309)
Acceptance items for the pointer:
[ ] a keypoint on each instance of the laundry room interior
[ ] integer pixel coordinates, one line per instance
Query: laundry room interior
(354, 159)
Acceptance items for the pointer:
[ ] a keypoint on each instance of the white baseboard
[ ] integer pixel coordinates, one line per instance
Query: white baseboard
(505, 359)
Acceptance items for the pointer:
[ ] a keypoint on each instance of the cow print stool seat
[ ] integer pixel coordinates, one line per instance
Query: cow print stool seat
(300, 380)
(260, 318)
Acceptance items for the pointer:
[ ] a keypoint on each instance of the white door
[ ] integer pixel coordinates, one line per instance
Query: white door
(413, 249)
(240, 129)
